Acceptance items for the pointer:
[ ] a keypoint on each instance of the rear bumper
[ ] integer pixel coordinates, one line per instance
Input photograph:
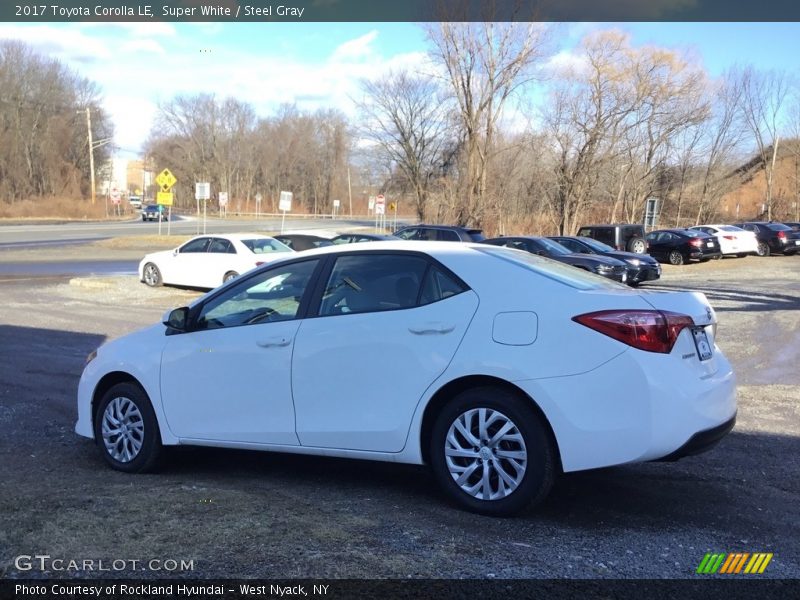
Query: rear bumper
(700, 442)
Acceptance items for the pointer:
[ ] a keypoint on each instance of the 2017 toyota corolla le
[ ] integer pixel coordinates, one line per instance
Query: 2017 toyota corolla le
(496, 367)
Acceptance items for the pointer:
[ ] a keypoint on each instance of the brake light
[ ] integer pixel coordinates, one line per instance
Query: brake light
(729, 237)
(259, 263)
(696, 242)
(649, 330)
(782, 235)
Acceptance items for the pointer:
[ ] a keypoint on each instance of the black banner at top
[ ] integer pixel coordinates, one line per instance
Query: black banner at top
(397, 10)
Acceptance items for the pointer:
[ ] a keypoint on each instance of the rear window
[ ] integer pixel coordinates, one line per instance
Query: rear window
(778, 227)
(566, 274)
(476, 235)
(265, 246)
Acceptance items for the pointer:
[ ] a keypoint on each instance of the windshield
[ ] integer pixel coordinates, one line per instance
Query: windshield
(553, 247)
(265, 246)
(598, 246)
(563, 273)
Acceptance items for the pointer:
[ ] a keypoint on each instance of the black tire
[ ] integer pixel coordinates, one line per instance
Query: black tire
(717, 257)
(763, 249)
(229, 275)
(539, 472)
(141, 425)
(676, 258)
(637, 245)
(151, 275)
(634, 284)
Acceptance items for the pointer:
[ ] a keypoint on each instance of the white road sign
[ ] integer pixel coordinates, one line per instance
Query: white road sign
(202, 191)
(285, 202)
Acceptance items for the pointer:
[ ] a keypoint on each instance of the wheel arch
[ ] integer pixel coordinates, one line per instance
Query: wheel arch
(108, 381)
(451, 389)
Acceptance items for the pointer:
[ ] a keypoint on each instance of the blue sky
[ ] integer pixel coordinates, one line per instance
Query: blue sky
(320, 64)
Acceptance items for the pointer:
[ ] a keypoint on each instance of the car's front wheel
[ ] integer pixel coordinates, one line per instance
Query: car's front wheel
(152, 275)
(676, 258)
(491, 453)
(126, 429)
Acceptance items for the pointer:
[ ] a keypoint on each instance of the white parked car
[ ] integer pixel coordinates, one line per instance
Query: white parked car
(732, 240)
(496, 367)
(207, 261)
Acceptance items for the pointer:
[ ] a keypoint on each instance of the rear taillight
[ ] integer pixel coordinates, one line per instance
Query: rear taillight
(650, 330)
(696, 242)
(729, 237)
(782, 235)
(259, 263)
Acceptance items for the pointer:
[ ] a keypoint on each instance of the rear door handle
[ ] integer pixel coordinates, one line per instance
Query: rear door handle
(274, 342)
(431, 329)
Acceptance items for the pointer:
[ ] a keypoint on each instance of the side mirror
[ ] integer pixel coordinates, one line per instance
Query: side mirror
(175, 252)
(177, 319)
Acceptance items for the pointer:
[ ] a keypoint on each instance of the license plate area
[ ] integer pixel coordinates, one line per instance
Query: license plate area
(704, 350)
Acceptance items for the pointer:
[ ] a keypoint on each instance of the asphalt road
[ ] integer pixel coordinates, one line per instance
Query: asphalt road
(270, 515)
(34, 235)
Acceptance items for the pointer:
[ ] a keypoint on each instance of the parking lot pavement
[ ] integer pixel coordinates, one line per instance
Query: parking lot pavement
(270, 515)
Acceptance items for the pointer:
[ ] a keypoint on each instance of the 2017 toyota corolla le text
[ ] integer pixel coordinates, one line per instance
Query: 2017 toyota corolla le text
(497, 368)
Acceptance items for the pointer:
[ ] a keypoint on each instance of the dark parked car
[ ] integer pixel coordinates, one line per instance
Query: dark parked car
(440, 233)
(302, 241)
(641, 267)
(773, 237)
(354, 238)
(607, 267)
(153, 212)
(792, 225)
(619, 236)
(679, 246)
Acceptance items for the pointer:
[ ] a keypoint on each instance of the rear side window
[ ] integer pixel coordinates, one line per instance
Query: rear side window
(220, 246)
(447, 235)
(604, 234)
(438, 285)
(373, 282)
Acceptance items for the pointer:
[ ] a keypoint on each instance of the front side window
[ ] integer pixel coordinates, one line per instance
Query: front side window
(373, 282)
(198, 245)
(408, 234)
(273, 295)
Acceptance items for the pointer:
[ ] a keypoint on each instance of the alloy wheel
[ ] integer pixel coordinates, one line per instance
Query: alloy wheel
(152, 276)
(485, 454)
(122, 429)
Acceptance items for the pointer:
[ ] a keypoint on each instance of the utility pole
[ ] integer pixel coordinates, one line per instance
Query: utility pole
(91, 148)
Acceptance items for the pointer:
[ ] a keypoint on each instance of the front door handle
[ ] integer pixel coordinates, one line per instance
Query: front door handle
(432, 328)
(275, 342)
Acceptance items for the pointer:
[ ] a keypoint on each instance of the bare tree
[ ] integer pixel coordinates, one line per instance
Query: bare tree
(404, 116)
(763, 96)
(483, 64)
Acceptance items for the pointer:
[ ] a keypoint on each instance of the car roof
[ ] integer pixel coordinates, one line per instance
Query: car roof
(612, 225)
(234, 236)
(427, 247)
(448, 227)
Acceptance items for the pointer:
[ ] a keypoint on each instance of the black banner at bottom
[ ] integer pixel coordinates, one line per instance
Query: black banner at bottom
(440, 589)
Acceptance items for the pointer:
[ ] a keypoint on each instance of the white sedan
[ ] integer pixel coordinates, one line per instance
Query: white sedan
(732, 240)
(207, 261)
(496, 367)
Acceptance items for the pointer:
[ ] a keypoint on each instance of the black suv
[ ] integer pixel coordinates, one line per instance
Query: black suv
(773, 237)
(153, 212)
(440, 233)
(620, 236)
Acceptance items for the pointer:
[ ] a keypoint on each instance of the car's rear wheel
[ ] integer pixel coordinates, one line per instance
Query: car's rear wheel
(229, 275)
(152, 275)
(491, 452)
(676, 258)
(637, 245)
(763, 249)
(126, 429)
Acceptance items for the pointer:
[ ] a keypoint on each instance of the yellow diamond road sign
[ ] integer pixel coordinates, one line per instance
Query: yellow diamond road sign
(166, 180)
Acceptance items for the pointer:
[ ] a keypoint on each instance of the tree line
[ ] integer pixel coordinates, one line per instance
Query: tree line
(44, 149)
(495, 130)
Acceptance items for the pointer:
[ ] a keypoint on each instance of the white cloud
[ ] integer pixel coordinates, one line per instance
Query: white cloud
(357, 48)
(143, 46)
(65, 44)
